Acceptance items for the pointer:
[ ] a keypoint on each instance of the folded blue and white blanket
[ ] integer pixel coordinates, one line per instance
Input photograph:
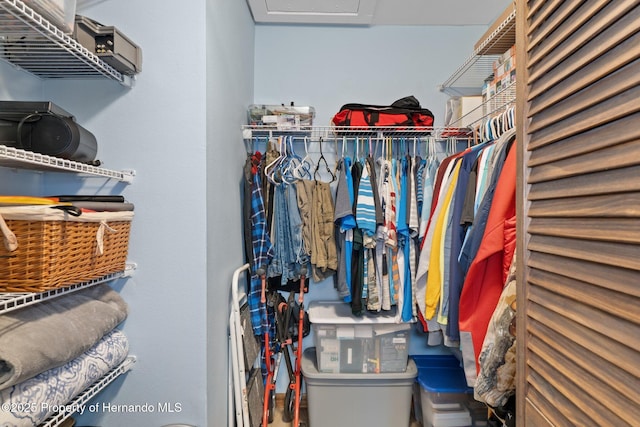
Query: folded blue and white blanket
(31, 402)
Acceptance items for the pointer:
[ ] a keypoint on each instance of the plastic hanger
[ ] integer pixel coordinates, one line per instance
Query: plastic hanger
(284, 167)
(339, 156)
(431, 149)
(302, 169)
(270, 169)
(288, 162)
(356, 149)
(513, 117)
(326, 164)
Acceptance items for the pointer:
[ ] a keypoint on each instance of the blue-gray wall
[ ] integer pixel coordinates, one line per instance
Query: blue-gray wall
(230, 45)
(330, 66)
(204, 62)
(179, 128)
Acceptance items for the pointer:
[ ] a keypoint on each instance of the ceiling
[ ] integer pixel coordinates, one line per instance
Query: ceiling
(378, 12)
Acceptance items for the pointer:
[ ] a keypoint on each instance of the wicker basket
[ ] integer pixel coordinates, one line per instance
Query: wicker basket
(56, 249)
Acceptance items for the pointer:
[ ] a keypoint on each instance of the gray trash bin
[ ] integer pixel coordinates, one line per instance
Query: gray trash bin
(357, 400)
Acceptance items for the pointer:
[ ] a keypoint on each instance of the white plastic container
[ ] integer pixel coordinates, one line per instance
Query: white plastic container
(357, 400)
(460, 418)
(357, 344)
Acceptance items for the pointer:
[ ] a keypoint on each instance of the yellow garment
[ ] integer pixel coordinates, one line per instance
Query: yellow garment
(434, 278)
(441, 317)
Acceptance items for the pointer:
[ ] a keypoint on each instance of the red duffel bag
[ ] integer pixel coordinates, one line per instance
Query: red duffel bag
(405, 112)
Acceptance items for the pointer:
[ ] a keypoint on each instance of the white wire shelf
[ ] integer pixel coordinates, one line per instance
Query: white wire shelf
(469, 78)
(10, 301)
(339, 132)
(32, 43)
(84, 397)
(22, 159)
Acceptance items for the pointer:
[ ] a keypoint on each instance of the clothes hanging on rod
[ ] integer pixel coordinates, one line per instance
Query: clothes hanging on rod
(316, 207)
(489, 268)
(451, 279)
(430, 238)
(370, 235)
(260, 250)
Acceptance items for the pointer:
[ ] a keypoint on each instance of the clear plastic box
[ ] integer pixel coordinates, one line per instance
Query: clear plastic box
(349, 344)
(281, 117)
(60, 13)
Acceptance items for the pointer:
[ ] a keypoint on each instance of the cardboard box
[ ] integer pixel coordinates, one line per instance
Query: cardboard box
(465, 110)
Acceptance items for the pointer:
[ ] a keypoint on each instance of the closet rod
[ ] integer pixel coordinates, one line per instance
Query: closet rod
(334, 132)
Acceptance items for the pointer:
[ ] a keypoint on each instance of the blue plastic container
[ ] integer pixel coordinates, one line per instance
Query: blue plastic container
(442, 380)
(443, 391)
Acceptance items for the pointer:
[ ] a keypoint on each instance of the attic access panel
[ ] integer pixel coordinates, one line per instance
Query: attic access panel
(313, 11)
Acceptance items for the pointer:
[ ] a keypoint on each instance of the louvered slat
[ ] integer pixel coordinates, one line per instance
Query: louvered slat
(595, 139)
(617, 254)
(540, 12)
(579, 123)
(541, 412)
(595, 365)
(612, 278)
(602, 298)
(585, 320)
(614, 230)
(603, 206)
(605, 182)
(605, 31)
(575, 384)
(612, 60)
(561, 12)
(601, 90)
(623, 155)
(561, 385)
(605, 112)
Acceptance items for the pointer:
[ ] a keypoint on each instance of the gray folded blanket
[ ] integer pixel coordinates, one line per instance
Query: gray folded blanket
(48, 334)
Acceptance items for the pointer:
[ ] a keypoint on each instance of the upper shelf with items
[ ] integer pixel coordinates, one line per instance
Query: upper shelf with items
(32, 43)
(469, 78)
(333, 133)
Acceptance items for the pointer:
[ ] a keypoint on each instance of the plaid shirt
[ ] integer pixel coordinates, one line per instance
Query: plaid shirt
(262, 250)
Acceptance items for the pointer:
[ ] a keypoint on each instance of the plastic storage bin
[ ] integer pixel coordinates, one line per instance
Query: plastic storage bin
(281, 117)
(354, 400)
(460, 418)
(349, 344)
(60, 13)
(444, 393)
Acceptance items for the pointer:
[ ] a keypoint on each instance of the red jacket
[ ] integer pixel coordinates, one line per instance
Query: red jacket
(489, 269)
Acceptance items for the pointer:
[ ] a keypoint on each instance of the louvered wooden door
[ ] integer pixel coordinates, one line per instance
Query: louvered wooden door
(578, 319)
